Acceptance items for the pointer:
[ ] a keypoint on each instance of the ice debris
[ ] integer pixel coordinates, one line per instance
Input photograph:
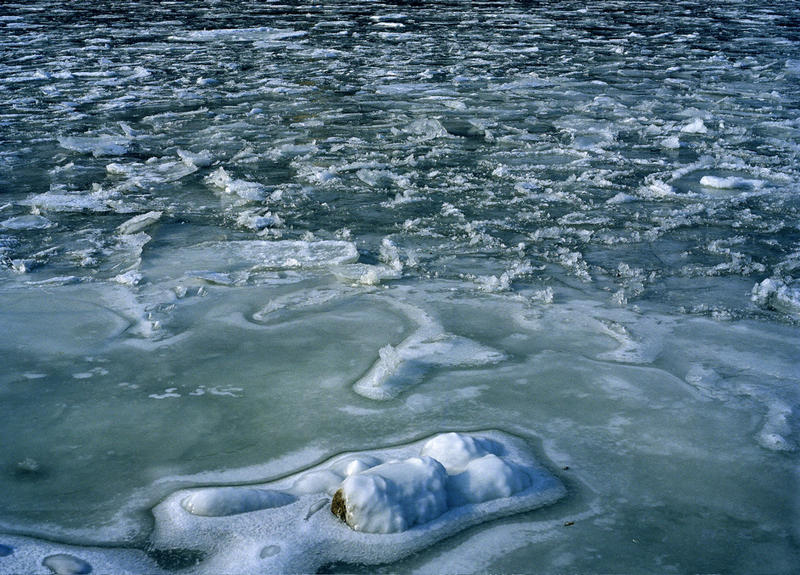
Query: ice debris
(396, 501)
(776, 295)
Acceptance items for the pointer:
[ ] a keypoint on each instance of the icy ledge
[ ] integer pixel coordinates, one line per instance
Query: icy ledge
(394, 502)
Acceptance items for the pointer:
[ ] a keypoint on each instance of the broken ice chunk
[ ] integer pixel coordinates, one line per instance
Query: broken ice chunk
(138, 223)
(247, 190)
(200, 159)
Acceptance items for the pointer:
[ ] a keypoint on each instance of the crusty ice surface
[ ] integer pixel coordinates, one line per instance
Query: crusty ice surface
(418, 502)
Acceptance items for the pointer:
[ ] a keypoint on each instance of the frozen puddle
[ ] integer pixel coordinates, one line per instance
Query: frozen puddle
(369, 507)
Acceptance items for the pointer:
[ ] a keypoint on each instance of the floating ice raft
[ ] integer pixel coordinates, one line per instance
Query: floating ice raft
(369, 507)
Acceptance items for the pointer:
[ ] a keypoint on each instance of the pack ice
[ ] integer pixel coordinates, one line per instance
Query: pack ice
(368, 507)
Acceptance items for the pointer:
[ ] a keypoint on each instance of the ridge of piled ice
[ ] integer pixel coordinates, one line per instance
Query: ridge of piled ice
(429, 345)
(155, 171)
(731, 182)
(400, 501)
(101, 145)
(238, 34)
(98, 200)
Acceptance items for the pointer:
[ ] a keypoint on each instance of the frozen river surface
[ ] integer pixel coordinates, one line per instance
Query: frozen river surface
(240, 240)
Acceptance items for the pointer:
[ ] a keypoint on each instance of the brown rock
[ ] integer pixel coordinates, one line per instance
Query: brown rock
(338, 506)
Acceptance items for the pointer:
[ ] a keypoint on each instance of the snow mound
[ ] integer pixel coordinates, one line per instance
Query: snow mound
(393, 496)
(396, 501)
(224, 501)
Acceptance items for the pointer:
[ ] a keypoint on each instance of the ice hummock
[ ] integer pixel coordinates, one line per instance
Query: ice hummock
(399, 499)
